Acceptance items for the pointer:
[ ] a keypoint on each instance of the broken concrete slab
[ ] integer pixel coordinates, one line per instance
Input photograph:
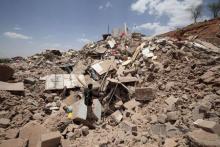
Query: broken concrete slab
(210, 126)
(6, 72)
(101, 50)
(32, 131)
(97, 109)
(14, 143)
(51, 139)
(29, 80)
(12, 86)
(79, 110)
(59, 81)
(131, 104)
(207, 46)
(104, 66)
(117, 116)
(144, 94)
(203, 139)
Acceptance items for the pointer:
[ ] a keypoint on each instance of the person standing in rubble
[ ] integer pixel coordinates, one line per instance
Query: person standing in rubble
(88, 95)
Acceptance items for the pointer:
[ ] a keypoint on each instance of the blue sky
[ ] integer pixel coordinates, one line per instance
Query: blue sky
(31, 26)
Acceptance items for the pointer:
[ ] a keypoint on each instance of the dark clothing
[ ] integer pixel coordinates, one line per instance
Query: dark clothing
(88, 97)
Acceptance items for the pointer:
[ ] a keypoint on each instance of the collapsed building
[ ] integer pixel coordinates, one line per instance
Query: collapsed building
(152, 91)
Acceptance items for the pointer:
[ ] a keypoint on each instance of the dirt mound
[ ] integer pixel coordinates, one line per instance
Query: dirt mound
(208, 31)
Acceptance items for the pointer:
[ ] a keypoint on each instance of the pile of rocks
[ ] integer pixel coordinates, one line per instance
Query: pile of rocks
(151, 91)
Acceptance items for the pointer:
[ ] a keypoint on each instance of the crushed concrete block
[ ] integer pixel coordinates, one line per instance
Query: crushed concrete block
(172, 116)
(51, 139)
(29, 80)
(128, 127)
(14, 143)
(85, 130)
(4, 122)
(162, 118)
(131, 104)
(202, 138)
(11, 133)
(210, 126)
(171, 100)
(117, 116)
(145, 94)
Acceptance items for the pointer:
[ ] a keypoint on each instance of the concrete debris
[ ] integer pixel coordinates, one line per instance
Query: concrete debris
(32, 131)
(210, 126)
(159, 85)
(51, 139)
(170, 142)
(11, 133)
(172, 116)
(131, 104)
(203, 138)
(117, 117)
(97, 109)
(59, 81)
(145, 94)
(79, 110)
(128, 127)
(19, 87)
(103, 66)
(4, 122)
(6, 72)
(158, 129)
(14, 143)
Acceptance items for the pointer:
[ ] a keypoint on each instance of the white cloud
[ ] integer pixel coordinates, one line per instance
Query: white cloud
(107, 5)
(15, 35)
(176, 11)
(84, 40)
(101, 7)
(155, 27)
(17, 28)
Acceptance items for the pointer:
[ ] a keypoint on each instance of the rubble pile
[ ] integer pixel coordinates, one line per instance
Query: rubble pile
(147, 91)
